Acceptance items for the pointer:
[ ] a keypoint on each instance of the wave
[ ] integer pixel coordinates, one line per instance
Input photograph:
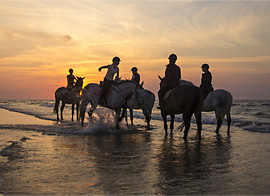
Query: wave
(246, 117)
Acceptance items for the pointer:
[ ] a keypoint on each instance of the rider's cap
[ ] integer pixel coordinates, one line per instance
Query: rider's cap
(134, 69)
(116, 58)
(205, 65)
(173, 56)
(70, 70)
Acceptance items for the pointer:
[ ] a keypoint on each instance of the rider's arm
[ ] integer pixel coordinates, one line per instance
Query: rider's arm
(102, 67)
(117, 77)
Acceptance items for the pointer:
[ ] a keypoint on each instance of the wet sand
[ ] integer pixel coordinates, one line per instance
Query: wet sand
(9, 117)
(141, 162)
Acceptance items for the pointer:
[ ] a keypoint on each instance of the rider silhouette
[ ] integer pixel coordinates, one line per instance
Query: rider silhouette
(135, 76)
(172, 77)
(70, 79)
(108, 79)
(206, 80)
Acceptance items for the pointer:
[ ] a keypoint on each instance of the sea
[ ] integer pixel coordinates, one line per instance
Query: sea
(251, 115)
(39, 155)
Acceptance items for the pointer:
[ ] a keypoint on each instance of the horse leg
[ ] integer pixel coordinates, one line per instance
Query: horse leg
(117, 112)
(131, 116)
(172, 123)
(198, 117)
(229, 120)
(62, 109)
(219, 117)
(164, 116)
(56, 109)
(84, 104)
(77, 110)
(72, 113)
(187, 118)
(124, 114)
(147, 117)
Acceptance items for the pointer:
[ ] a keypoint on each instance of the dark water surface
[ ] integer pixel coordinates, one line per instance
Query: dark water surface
(143, 162)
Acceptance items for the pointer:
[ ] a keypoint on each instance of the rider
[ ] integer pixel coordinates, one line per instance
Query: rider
(206, 80)
(70, 79)
(135, 76)
(172, 77)
(108, 79)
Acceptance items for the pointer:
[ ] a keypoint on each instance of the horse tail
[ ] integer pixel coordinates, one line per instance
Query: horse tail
(56, 104)
(152, 98)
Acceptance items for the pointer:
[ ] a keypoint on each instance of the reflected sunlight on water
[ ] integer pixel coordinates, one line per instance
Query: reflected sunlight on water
(136, 163)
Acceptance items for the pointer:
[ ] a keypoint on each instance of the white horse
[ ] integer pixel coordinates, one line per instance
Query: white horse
(142, 99)
(219, 101)
(116, 99)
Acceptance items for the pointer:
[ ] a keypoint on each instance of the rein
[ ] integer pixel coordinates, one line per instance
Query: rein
(119, 91)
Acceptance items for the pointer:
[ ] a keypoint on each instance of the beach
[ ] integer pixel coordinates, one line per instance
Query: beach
(40, 156)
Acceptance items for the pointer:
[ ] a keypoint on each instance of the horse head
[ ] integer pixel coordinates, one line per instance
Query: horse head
(162, 81)
(79, 82)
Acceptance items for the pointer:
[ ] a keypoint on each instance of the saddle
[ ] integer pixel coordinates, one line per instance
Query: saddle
(97, 90)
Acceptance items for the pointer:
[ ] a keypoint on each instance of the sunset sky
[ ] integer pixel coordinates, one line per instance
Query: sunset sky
(41, 39)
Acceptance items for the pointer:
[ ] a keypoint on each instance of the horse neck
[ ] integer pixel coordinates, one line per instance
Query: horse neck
(127, 87)
(78, 86)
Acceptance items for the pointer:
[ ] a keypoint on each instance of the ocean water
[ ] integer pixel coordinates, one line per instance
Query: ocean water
(39, 155)
(251, 115)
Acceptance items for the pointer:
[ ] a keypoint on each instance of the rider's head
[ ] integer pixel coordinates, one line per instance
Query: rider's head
(116, 60)
(134, 69)
(205, 66)
(172, 58)
(70, 71)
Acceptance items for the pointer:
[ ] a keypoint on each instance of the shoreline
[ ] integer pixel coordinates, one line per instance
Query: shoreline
(8, 115)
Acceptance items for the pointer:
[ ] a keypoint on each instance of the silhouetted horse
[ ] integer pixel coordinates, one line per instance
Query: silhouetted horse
(186, 100)
(142, 99)
(219, 101)
(120, 93)
(68, 96)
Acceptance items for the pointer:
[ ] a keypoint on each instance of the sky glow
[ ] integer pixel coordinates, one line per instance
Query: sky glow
(42, 39)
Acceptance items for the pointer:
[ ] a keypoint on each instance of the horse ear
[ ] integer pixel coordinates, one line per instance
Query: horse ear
(83, 77)
(160, 77)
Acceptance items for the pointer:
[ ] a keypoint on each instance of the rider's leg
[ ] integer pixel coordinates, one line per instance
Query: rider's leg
(105, 89)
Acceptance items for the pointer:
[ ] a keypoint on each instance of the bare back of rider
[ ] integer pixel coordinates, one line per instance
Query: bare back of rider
(71, 81)
(70, 90)
(108, 80)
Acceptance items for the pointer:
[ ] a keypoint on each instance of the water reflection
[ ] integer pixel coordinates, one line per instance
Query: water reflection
(121, 162)
(139, 163)
(191, 167)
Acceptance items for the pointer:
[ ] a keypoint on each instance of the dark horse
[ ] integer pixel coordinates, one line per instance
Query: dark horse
(69, 96)
(184, 99)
